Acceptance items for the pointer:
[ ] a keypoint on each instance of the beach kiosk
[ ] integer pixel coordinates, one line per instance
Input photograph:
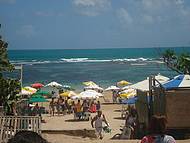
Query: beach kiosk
(143, 102)
(172, 100)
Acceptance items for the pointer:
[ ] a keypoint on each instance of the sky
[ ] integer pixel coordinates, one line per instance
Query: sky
(78, 24)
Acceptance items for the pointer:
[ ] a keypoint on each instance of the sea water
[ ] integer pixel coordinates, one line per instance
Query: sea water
(103, 66)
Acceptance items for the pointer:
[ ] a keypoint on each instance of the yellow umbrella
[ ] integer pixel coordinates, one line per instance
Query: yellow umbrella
(68, 94)
(127, 95)
(123, 83)
(89, 83)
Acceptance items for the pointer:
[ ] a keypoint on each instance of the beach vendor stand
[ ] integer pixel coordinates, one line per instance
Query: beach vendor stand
(144, 104)
(172, 100)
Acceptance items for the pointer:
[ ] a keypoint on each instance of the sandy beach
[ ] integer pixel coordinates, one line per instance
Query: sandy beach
(63, 129)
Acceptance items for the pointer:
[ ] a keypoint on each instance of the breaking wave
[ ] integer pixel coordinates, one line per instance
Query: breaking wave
(86, 60)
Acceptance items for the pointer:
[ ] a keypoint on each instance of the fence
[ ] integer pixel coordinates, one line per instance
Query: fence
(10, 125)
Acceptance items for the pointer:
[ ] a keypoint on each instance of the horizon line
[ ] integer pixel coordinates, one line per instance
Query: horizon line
(105, 48)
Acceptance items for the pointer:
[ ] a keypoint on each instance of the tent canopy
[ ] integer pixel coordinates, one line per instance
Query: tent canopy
(144, 85)
(179, 81)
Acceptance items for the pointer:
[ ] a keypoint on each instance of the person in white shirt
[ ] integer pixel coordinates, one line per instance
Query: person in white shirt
(99, 119)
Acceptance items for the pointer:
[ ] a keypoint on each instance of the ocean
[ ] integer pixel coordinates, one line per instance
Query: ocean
(103, 66)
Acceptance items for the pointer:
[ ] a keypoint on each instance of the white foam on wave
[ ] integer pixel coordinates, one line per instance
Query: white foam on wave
(74, 59)
(79, 60)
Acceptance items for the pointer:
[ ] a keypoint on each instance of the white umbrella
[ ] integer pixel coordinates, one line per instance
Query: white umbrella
(112, 88)
(126, 87)
(54, 84)
(26, 92)
(94, 87)
(144, 85)
(129, 90)
(88, 94)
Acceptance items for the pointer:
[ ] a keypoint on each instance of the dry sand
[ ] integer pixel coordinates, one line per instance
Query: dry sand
(63, 129)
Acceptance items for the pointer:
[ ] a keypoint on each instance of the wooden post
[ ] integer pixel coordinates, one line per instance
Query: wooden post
(150, 97)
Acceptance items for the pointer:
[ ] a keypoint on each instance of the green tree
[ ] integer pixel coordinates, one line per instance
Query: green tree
(9, 88)
(179, 63)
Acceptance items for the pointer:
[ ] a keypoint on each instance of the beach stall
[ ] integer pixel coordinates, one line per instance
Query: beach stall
(142, 92)
(172, 100)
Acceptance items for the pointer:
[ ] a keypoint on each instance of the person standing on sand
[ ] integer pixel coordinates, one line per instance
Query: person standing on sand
(52, 107)
(99, 119)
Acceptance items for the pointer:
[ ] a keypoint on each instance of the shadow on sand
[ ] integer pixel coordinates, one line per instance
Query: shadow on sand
(73, 120)
(119, 118)
(79, 133)
(117, 110)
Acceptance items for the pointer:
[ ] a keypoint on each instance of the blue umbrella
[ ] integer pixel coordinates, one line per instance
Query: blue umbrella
(130, 100)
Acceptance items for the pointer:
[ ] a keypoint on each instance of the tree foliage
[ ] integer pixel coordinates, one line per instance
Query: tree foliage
(9, 88)
(179, 63)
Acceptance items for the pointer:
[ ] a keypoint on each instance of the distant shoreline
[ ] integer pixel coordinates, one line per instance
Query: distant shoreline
(165, 47)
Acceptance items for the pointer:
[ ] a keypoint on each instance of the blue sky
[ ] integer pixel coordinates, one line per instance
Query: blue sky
(66, 24)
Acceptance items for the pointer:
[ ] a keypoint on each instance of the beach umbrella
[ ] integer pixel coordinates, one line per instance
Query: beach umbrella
(93, 87)
(130, 100)
(31, 89)
(128, 95)
(42, 92)
(89, 83)
(26, 92)
(54, 84)
(37, 98)
(37, 85)
(88, 94)
(123, 83)
(179, 81)
(112, 88)
(126, 87)
(129, 90)
(68, 94)
(144, 85)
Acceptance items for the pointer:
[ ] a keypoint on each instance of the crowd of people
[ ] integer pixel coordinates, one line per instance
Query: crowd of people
(67, 106)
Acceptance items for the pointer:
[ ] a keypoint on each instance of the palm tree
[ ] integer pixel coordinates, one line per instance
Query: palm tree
(9, 88)
(180, 63)
(183, 63)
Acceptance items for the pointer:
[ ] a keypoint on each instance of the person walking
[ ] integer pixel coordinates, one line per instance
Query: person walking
(99, 119)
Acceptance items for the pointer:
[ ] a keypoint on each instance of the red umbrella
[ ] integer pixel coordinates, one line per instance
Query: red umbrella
(37, 85)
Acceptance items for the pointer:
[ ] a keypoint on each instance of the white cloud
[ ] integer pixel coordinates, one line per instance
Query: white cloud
(148, 19)
(165, 9)
(8, 1)
(179, 2)
(27, 31)
(124, 17)
(44, 14)
(91, 7)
